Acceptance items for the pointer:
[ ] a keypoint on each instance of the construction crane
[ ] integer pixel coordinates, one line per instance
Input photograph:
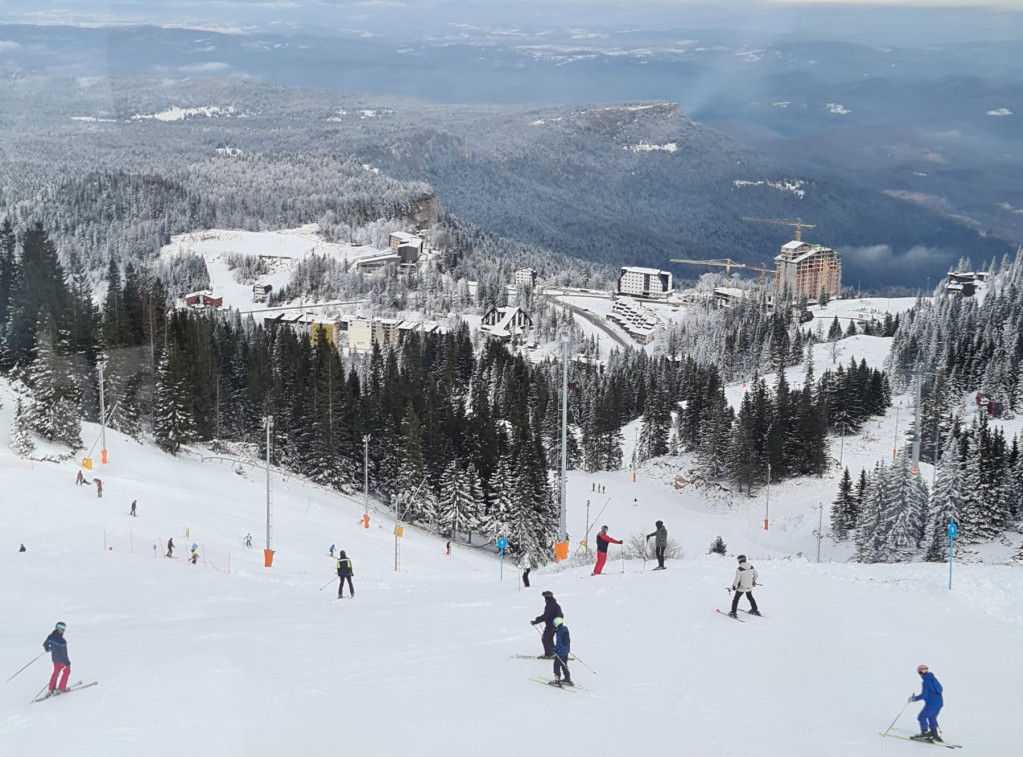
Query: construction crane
(798, 223)
(728, 264)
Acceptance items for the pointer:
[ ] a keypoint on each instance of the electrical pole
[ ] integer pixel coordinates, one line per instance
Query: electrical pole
(916, 426)
(102, 416)
(767, 506)
(365, 473)
(562, 529)
(269, 421)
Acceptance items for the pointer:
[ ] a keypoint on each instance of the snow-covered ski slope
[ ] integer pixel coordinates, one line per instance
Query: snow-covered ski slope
(260, 662)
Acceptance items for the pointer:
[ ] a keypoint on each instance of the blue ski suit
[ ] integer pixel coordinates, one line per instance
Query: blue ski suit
(931, 694)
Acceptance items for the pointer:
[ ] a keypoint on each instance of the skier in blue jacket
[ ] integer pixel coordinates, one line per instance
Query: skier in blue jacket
(562, 646)
(928, 717)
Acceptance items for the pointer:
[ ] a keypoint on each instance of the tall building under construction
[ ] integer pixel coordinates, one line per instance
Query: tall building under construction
(808, 268)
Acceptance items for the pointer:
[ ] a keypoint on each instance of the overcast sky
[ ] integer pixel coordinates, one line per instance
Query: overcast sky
(973, 17)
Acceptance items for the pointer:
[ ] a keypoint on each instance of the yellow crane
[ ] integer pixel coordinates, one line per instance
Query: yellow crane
(798, 223)
(728, 264)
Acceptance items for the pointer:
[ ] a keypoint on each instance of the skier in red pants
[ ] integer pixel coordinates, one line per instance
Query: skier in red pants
(57, 648)
(602, 541)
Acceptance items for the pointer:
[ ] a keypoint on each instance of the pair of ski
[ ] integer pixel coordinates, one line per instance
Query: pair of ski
(557, 684)
(945, 744)
(76, 686)
(535, 657)
(721, 612)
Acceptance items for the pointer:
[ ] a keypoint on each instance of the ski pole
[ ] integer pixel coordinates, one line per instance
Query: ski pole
(329, 583)
(576, 658)
(33, 660)
(896, 719)
(621, 554)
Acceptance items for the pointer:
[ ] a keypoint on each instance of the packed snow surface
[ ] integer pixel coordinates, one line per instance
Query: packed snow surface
(263, 662)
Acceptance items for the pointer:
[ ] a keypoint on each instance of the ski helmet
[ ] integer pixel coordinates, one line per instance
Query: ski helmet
(547, 594)
(921, 669)
(742, 558)
(61, 626)
(558, 622)
(660, 523)
(603, 528)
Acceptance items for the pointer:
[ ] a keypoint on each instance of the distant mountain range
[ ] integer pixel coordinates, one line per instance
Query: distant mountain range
(903, 164)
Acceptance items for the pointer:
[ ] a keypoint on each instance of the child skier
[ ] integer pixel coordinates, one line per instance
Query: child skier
(562, 646)
(602, 541)
(933, 702)
(57, 648)
(745, 579)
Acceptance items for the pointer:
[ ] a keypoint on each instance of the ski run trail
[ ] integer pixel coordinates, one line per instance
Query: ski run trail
(192, 659)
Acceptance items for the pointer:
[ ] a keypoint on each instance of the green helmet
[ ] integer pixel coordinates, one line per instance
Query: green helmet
(558, 622)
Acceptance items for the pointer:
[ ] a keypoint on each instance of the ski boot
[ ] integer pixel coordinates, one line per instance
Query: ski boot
(923, 736)
(754, 612)
(933, 736)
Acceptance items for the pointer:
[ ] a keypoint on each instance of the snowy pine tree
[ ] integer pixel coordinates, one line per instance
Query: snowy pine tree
(56, 410)
(21, 434)
(844, 509)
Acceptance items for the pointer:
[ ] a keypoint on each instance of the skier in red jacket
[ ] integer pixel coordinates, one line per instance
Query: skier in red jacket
(602, 541)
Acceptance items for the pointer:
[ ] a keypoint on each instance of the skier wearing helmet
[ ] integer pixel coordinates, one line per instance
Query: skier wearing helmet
(562, 646)
(743, 583)
(933, 702)
(602, 541)
(57, 648)
(660, 543)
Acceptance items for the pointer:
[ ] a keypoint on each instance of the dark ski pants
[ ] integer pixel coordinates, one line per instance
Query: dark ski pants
(341, 586)
(928, 717)
(749, 595)
(561, 666)
(525, 577)
(548, 639)
(660, 556)
(601, 559)
(62, 670)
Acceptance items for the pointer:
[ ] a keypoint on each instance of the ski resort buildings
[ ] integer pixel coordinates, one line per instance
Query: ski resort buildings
(808, 268)
(644, 282)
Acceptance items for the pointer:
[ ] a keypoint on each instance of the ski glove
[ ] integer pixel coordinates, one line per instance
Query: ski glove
(912, 697)
(532, 622)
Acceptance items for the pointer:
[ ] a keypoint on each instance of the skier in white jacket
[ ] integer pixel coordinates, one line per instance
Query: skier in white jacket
(743, 583)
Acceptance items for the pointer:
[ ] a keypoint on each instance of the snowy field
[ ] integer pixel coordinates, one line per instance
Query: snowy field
(281, 250)
(262, 662)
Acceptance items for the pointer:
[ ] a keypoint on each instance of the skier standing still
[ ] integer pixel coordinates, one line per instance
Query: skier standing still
(170, 547)
(526, 566)
(933, 702)
(57, 648)
(660, 543)
(745, 579)
(344, 571)
(562, 646)
(602, 541)
(551, 611)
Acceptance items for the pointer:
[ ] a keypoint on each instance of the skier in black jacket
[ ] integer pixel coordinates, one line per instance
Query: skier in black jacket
(344, 571)
(551, 611)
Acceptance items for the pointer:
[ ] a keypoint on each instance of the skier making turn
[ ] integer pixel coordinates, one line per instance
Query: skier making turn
(743, 583)
(933, 702)
(57, 648)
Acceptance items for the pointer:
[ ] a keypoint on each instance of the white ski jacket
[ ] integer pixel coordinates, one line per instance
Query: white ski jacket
(745, 577)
